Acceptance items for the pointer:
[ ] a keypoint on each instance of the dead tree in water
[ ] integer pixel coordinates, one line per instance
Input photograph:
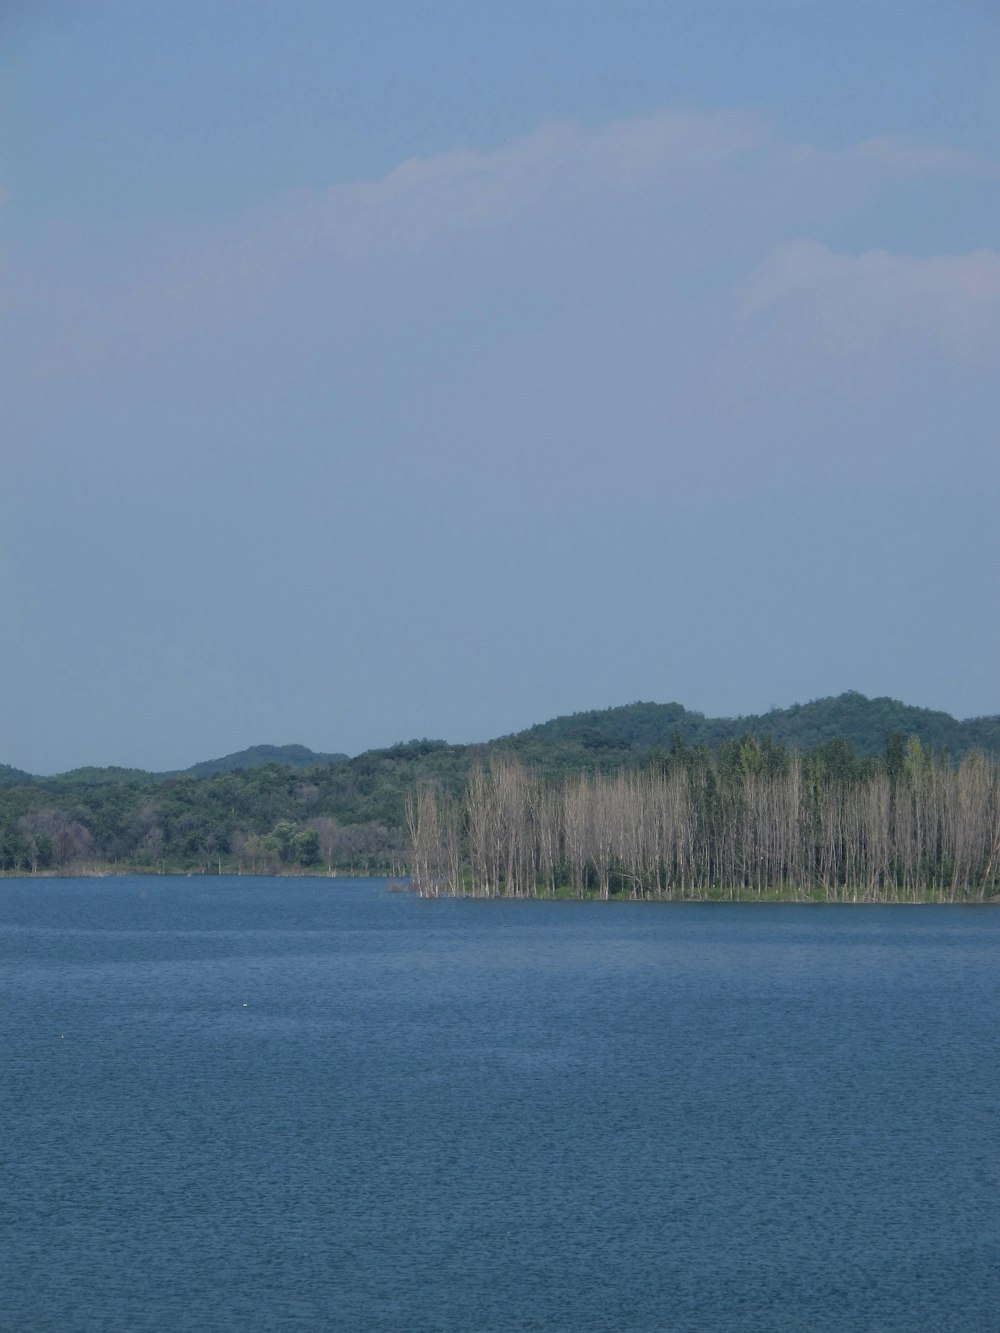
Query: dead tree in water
(831, 826)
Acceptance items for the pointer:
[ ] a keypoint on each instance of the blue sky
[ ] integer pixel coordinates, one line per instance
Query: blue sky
(384, 370)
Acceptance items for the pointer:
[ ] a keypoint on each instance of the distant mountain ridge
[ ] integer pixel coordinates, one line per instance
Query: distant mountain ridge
(292, 756)
(255, 756)
(862, 722)
(618, 734)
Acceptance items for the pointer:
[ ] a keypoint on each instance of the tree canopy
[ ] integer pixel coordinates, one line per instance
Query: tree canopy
(286, 808)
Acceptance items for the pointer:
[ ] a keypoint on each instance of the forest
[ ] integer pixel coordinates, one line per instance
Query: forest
(287, 809)
(751, 822)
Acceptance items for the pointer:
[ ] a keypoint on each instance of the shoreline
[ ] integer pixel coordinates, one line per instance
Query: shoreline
(815, 897)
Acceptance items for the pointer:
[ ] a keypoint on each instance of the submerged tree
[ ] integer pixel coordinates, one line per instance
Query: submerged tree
(753, 821)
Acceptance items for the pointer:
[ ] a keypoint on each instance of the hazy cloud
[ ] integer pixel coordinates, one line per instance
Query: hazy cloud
(913, 157)
(425, 200)
(673, 189)
(819, 315)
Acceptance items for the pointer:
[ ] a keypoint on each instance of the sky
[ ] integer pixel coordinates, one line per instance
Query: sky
(383, 370)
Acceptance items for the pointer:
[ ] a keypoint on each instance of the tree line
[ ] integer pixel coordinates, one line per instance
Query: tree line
(751, 821)
(349, 815)
(267, 820)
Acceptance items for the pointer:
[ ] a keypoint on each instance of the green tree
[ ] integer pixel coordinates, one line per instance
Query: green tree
(305, 845)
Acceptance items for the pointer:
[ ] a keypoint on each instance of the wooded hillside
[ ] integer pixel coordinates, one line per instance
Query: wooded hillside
(246, 812)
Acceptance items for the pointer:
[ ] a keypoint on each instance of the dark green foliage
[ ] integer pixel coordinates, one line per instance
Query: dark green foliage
(863, 723)
(291, 756)
(284, 807)
(835, 761)
(97, 777)
(747, 755)
(305, 847)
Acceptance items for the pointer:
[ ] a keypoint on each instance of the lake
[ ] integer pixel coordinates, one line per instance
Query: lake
(255, 1104)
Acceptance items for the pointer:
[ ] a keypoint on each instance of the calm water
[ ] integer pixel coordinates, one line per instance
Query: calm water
(238, 1104)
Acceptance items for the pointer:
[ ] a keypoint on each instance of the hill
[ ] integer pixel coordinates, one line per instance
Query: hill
(291, 756)
(638, 728)
(270, 807)
(256, 756)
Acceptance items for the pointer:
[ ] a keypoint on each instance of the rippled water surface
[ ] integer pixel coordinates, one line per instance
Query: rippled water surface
(239, 1104)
